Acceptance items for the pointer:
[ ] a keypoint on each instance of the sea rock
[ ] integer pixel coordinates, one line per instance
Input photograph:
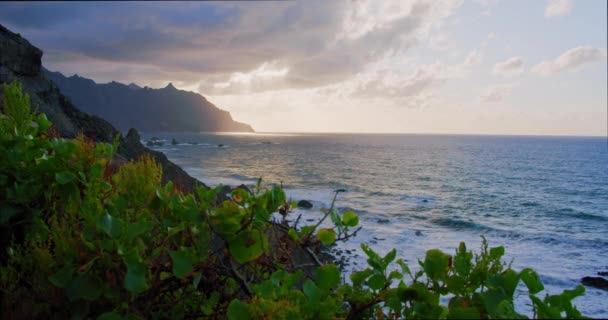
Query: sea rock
(603, 273)
(383, 221)
(220, 145)
(174, 142)
(596, 282)
(305, 204)
(153, 143)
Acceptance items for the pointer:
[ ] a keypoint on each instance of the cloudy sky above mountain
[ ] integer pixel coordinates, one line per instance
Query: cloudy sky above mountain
(485, 66)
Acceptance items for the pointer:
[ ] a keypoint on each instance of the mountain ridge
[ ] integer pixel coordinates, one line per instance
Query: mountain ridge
(165, 109)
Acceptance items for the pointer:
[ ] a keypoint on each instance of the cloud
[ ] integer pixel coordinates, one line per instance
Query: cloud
(557, 8)
(228, 47)
(509, 68)
(385, 83)
(496, 93)
(473, 58)
(572, 59)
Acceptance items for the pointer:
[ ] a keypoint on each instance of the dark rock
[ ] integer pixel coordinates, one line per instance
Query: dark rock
(383, 221)
(18, 55)
(305, 204)
(153, 143)
(603, 273)
(418, 233)
(220, 145)
(596, 282)
(174, 142)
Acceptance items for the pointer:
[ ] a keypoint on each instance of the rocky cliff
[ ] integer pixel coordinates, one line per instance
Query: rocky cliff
(21, 61)
(146, 109)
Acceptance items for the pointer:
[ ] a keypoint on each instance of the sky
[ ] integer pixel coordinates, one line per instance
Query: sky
(529, 67)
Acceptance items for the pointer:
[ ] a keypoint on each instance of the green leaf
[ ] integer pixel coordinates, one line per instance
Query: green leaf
(508, 280)
(311, 290)
(64, 177)
(43, 122)
(335, 217)
(138, 228)
(532, 280)
(237, 310)
(463, 313)
(497, 252)
(182, 263)
(395, 275)
(462, 260)
(248, 245)
(307, 230)
(491, 300)
(374, 259)
(376, 281)
(358, 277)
(112, 315)
(327, 276)
(63, 276)
(389, 257)
(135, 279)
(293, 235)
(436, 264)
(84, 286)
(404, 267)
(326, 236)
(350, 219)
(110, 225)
(105, 187)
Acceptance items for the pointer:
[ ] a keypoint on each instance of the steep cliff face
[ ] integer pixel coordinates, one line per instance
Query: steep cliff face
(146, 109)
(21, 61)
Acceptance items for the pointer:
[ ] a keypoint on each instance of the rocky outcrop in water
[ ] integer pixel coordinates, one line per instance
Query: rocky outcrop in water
(21, 61)
(596, 282)
(304, 204)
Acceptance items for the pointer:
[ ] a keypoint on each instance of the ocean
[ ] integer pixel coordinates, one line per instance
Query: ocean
(544, 198)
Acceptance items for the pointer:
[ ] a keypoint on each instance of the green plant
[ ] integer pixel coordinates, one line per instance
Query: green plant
(81, 239)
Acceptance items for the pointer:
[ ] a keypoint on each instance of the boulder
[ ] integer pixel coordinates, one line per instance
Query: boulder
(596, 282)
(304, 204)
